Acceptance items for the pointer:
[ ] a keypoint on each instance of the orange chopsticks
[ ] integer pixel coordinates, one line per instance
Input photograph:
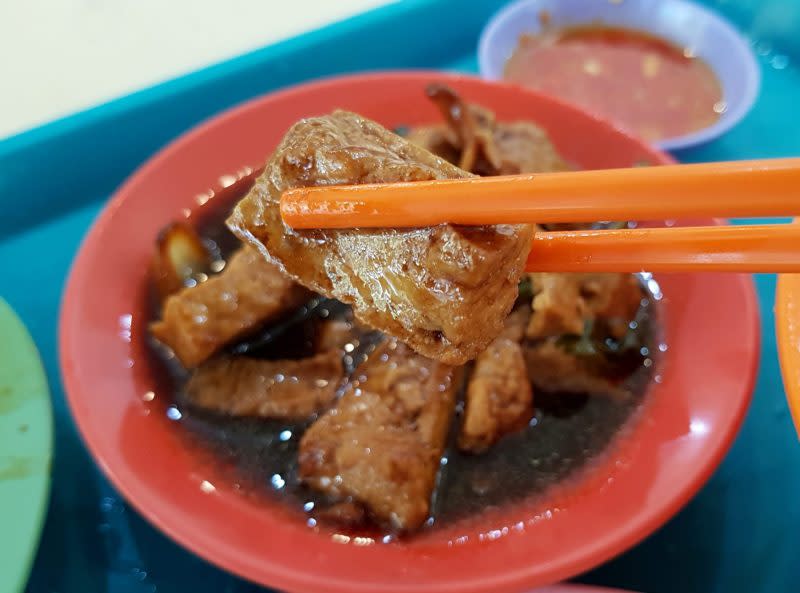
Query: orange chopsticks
(757, 248)
(730, 189)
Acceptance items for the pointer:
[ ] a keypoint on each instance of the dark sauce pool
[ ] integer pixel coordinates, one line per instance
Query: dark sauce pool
(567, 433)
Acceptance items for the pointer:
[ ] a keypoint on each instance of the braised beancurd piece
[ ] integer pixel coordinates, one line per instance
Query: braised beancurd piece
(249, 292)
(499, 398)
(476, 142)
(382, 443)
(283, 389)
(443, 290)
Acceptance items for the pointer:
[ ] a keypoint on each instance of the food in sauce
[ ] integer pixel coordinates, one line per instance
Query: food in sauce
(472, 139)
(578, 330)
(443, 290)
(289, 389)
(383, 441)
(360, 427)
(553, 367)
(640, 82)
(200, 320)
(564, 304)
(499, 396)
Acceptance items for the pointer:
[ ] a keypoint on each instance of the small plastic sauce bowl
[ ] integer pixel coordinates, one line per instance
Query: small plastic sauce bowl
(684, 24)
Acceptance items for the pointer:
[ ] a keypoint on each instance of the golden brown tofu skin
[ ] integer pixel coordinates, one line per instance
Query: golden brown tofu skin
(476, 142)
(248, 293)
(382, 443)
(281, 389)
(499, 397)
(553, 369)
(443, 290)
(564, 303)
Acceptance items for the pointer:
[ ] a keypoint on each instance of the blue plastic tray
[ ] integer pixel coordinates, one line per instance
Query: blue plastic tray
(740, 534)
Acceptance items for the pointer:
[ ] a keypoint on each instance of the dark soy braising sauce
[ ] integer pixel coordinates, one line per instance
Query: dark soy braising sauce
(566, 433)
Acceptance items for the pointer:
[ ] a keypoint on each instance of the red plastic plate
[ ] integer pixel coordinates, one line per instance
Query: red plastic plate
(706, 374)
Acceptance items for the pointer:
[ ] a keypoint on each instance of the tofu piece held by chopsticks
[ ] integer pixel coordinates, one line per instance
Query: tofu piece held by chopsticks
(444, 290)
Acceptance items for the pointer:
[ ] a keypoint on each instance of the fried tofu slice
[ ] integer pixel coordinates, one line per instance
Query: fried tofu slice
(281, 389)
(564, 303)
(382, 443)
(499, 398)
(443, 290)
(473, 139)
(248, 293)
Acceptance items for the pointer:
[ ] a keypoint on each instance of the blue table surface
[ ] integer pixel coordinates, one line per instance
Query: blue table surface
(740, 534)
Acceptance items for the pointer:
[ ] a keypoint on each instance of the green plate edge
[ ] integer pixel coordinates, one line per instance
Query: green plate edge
(26, 450)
